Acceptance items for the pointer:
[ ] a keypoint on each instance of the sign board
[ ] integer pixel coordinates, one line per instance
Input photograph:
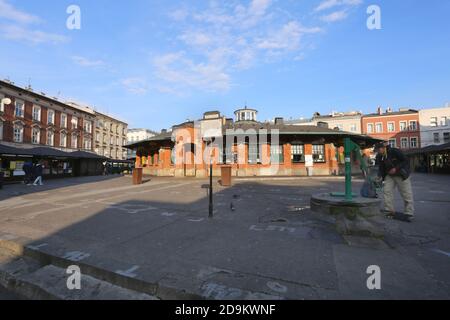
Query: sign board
(309, 161)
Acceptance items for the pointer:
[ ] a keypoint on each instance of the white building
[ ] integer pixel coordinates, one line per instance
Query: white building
(137, 135)
(434, 126)
(344, 121)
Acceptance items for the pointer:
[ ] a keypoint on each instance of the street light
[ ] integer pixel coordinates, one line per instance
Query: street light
(5, 101)
(211, 207)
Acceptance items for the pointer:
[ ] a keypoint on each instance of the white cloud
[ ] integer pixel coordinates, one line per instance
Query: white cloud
(179, 14)
(18, 33)
(287, 38)
(17, 26)
(135, 85)
(178, 70)
(8, 12)
(85, 62)
(335, 16)
(329, 4)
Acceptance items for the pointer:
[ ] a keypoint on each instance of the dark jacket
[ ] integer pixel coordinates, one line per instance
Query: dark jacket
(394, 158)
(38, 170)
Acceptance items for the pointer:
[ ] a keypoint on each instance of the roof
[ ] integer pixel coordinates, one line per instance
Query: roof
(47, 152)
(432, 149)
(394, 113)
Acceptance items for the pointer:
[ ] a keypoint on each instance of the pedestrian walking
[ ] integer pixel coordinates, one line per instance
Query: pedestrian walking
(394, 169)
(38, 173)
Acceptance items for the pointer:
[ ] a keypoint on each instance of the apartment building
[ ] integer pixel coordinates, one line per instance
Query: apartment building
(344, 121)
(136, 135)
(110, 137)
(400, 128)
(435, 126)
(29, 119)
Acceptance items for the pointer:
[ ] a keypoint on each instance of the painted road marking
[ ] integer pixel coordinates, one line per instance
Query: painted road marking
(38, 247)
(76, 256)
(168, 214)
(441, 252)
(273, 228)
(129, 273)
(196, 220)
(277, 287)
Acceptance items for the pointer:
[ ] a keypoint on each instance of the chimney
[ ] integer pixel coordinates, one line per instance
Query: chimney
(380, 110)
(279, 121)
(389, 110)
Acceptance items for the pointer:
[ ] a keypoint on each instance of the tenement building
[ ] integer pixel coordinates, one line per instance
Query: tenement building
(435, 126)
(250, 147)
(29, 119)
(110, 137)
(137, 135)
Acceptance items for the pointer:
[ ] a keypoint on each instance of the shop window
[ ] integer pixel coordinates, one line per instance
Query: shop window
(276, 154)
(318, 153)
(298, 153)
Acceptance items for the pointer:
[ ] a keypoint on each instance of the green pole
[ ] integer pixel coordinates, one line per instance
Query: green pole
(348, 169)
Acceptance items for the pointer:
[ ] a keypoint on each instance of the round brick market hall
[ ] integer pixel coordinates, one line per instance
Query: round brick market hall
(250, 147)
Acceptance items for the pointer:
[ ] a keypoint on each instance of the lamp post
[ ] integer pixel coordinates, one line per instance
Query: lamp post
(5, 101)
(211, 205)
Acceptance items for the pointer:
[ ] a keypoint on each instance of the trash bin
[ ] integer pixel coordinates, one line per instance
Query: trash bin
(225, 176)
(137, 176)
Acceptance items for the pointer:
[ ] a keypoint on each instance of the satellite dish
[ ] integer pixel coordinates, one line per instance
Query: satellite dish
(6, 101)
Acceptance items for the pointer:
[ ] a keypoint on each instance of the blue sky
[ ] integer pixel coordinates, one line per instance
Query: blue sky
(156, 63)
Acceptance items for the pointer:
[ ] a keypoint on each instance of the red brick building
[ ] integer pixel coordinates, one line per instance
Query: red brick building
(400, 128)
(33, 119)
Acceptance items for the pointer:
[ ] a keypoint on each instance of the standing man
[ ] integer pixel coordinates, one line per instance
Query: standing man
(395, 170)
(38, 173)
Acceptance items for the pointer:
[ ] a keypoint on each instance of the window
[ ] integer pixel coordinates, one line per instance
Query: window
(20, 109)
(50, 116)
(63, 120)
(298, 153)
(253, 153)
(446, 137)
(443, 121)
(2, 105)
(88, 126)
(276, 154)
(74, 123)
(414, 142)
(1, 130)
(63, 140)
(111, 140)
(97, 137)
(318, 153)
(370, 128)
(404, 143)
(35, 135)
(403, 125)
(36, 113)
(434, 121)
(18, 133)
(87, 144)
(117, 141)
(111, 127)
(379, 127)
(50, 138)
(74, 141)
(353, 128)
(391, 127)
(393, 143)
(436, 137)
(413, 125)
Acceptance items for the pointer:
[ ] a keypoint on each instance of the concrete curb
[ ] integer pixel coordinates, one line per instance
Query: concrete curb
(20, 247)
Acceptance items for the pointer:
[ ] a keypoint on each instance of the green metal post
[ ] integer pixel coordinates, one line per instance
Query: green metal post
(348, 147)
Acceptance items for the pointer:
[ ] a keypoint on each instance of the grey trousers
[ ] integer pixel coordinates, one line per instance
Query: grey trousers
(405, 189)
